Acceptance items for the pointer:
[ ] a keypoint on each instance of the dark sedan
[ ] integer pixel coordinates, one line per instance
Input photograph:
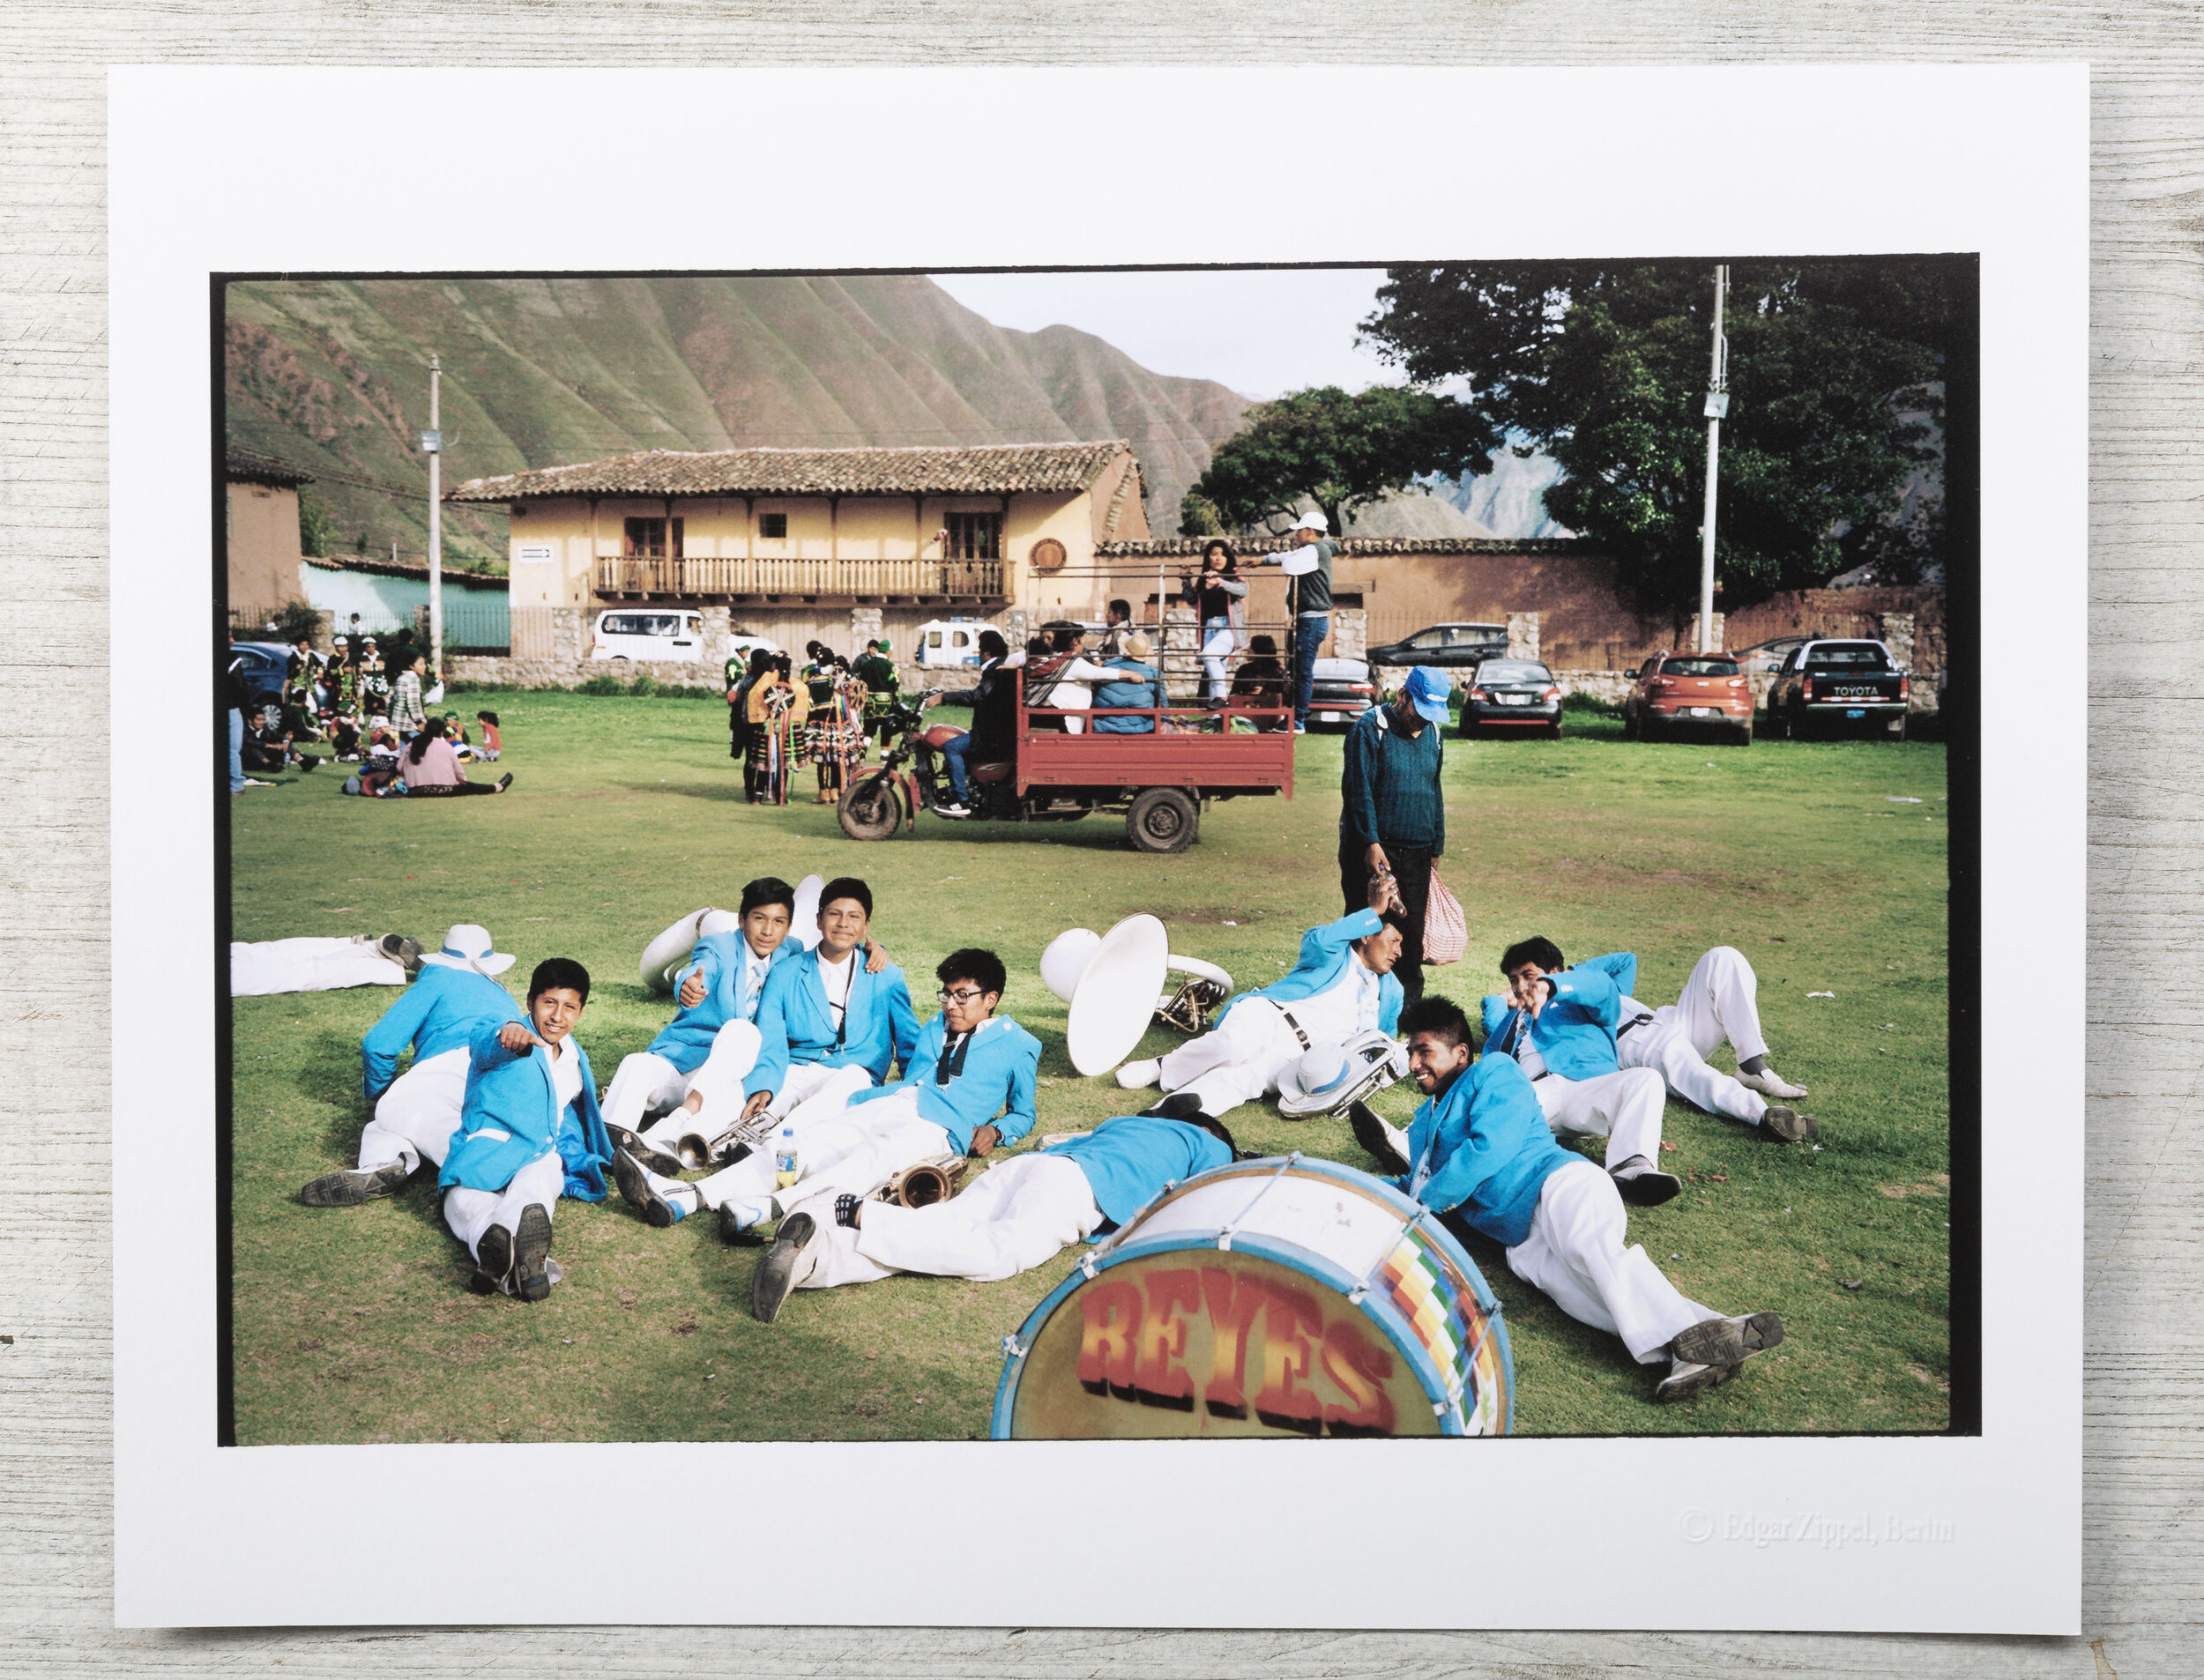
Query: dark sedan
(1512, 694)
(265, 665)
(1454, 645)
(1340, 691)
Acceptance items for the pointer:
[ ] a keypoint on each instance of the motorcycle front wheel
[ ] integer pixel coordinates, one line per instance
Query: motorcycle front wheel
(871, 807)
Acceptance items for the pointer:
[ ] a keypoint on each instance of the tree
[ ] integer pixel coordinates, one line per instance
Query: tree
(1341, 452)
(1198, 516)
(316, 529)
(1834, 375)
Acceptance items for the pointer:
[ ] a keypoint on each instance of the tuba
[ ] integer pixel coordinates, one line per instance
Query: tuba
(1116, 983)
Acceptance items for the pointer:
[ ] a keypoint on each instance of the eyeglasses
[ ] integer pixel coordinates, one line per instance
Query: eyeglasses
(961, 997)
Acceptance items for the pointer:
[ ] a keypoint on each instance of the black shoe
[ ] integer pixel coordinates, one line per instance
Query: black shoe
(776, 1274)
(1685, 1378)
(845, 1205)
(734, 1233)
(396, 947)
(350, 1189)
(1787, 1125)
(1370, 1131)
(493, 1262)
(625, 1142)
(636, 1191)
(1644, 1187)
(1728, 1341)
(504, 781)
(532, 1246)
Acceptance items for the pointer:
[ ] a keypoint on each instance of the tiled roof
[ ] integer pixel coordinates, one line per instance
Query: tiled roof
(1190, 547)
(980, 470)
(384, 566)
(250, 466)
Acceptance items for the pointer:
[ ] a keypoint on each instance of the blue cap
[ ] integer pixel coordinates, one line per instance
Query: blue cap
(1427, 691)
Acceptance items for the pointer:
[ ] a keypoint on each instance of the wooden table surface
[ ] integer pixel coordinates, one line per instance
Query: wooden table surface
(2143, 1557)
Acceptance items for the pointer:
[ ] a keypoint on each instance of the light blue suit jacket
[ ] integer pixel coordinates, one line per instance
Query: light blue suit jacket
(441, 1010)
(797, 1026)
(512, 1091)
(1134, 1158)
(997, 1078)
(1482, 1145)
(724, 961)
(1574, 1032)
(1323, 961)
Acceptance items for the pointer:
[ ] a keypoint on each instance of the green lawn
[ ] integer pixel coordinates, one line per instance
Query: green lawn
(353, 1324)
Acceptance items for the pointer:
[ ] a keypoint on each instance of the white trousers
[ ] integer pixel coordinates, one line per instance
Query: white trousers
(1012, 1218)
(1719, 1003)
(471, 1213)
(854, 1151)
(1242, 1061)
(307, 965)
(1625, 1107)
(1575, 1253)
(645, 1083)
(1219, 643)
(415, 1119)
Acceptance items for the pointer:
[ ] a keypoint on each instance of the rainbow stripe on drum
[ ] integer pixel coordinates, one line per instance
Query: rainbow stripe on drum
(1444, 1315)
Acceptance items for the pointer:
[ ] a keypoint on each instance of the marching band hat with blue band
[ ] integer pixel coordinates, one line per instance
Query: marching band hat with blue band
(468, 947)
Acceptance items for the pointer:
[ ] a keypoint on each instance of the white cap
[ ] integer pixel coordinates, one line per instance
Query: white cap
(468, 947)
(1313, 521)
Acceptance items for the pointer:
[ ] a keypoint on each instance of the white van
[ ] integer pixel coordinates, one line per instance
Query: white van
(951, 642)
(648, 633)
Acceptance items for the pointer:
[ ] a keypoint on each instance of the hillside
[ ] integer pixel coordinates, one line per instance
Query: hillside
(333, 376)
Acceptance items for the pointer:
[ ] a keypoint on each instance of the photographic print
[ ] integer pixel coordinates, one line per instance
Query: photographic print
(1126, 857)
(787, 617)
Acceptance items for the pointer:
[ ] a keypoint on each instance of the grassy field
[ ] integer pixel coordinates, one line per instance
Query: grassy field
(353, 1324)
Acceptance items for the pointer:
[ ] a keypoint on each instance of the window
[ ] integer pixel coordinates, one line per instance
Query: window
(1427, 639)
(1703, 666)
(1474, 635)
(773, 527)
(646, 540)
(621, 624)
(934, 638)
(1859, 655)
(975, 536)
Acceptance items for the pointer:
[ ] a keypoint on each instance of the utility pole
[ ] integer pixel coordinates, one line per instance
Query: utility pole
(1717, 405)
(432, 441)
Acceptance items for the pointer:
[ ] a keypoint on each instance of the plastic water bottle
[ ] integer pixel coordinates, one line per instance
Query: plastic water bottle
(784, 1159)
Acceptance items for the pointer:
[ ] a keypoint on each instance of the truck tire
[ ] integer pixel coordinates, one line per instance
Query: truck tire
(1162, 820)
(871, 807)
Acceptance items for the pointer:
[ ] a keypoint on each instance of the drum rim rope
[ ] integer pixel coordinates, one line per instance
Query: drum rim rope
(1421, 1362)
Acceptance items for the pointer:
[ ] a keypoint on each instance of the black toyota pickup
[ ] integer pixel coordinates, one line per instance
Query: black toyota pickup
(1835, 687)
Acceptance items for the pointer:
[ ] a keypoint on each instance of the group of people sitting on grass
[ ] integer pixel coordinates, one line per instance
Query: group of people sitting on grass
(772, 1081)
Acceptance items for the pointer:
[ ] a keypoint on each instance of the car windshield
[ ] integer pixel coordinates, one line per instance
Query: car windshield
(1513, 671)
(1700, 667)
(1858, 656)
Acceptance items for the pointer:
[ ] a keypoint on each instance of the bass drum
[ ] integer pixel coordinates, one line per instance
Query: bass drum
(1276, 1298)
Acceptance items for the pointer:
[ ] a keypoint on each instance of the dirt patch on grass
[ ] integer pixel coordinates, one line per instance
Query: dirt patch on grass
(1938, 1185)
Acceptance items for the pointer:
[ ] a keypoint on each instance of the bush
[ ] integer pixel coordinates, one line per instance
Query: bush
(297, 619)
(601, 685)
(1591, 703)
(643, 686)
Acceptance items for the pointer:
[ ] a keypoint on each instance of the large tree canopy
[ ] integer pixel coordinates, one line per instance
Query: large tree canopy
(1341, 452)
(1835, 377)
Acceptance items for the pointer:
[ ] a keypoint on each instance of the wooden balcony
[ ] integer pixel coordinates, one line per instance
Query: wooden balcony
(735, 579)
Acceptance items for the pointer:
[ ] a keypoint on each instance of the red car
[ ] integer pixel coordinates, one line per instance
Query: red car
(1677, 691)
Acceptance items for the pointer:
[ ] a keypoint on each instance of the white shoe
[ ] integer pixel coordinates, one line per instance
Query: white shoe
(1768, 1083)
(1138, 1075)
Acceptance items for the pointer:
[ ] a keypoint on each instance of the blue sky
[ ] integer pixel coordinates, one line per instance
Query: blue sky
(1262, 331)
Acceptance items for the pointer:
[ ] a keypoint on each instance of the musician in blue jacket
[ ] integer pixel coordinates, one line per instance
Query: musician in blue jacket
(1479, 1143)
(1022, 1210)
(1719, 1003)
(710, 1047)
(828, 1026)
(1343, 983)
(529, 1132)
(416, 1112)
(1558, 1023)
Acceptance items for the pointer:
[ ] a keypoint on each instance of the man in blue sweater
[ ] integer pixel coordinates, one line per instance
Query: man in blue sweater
(1023, 1210)
(1481, 1144)
(529, 1133)
(416, 1112)
(1343, 983)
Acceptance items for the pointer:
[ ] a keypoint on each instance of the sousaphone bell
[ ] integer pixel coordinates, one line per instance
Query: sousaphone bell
(1117, 982)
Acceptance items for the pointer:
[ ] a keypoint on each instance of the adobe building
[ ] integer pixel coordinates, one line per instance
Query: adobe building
(260, 532)
(798, 544)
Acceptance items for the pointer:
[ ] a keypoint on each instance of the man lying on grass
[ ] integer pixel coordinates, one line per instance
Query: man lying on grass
(1480, 1143)
(1021, 1211)
(529, 1132)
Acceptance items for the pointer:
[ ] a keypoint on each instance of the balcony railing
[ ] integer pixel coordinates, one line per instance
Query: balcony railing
(703, 575)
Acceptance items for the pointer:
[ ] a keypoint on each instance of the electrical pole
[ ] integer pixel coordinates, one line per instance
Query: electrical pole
(1717, 405)
(432, 441)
